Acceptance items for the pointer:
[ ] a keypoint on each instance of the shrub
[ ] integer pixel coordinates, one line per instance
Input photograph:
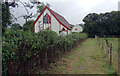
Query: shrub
(24, 52)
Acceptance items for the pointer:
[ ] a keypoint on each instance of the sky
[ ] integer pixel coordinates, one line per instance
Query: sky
(73, 10)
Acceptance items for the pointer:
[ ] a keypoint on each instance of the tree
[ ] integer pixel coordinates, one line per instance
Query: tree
(27, 5)
(41, 7)
(5, 18)
(16, 27)
(0, 21)
(8, 17)
(102, 24)
(28, 26)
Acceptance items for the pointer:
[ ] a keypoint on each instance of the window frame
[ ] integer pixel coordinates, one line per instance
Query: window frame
(47, 19)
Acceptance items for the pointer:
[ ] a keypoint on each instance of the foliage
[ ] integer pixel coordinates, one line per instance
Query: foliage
(5, 18)
(28, 26)
(42, 6)
(16, 27)
(25, 52)
(102, 24)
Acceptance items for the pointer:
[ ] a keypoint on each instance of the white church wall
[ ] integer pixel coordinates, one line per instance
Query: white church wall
(54, 26)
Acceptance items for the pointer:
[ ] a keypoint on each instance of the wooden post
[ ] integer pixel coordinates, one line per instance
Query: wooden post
(95, 37)
(99, 41)
(107, 42)
(102, 44)
(111, 54)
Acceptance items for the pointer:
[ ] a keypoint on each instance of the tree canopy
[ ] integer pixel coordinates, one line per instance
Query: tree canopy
(8, 18)
(5, 17)
(103, 24)
(28, 26)
(16, 27)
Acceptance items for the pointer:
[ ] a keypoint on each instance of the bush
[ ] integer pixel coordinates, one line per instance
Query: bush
(25, 52)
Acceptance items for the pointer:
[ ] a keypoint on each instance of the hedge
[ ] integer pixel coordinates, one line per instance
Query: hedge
(25, 52)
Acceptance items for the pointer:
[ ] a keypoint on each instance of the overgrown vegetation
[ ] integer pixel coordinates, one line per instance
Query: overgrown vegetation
(26, 53)
(114, 42)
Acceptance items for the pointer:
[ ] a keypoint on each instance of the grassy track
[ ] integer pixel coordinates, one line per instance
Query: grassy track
(87, 58)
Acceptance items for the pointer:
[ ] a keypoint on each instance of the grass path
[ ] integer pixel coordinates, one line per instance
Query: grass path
(86, 58)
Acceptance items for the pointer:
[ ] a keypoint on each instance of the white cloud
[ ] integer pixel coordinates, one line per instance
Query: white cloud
(88, 4)
(56, 0)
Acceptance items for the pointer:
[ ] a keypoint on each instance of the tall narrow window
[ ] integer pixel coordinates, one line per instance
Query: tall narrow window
(47, 19)
(44, 19)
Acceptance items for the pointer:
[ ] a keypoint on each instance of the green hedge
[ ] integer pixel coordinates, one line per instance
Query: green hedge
(24, 52)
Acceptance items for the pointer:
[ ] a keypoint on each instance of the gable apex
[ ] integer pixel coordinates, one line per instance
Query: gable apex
(58, 17)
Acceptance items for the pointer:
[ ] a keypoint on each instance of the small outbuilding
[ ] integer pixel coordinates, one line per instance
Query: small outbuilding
(77, 28)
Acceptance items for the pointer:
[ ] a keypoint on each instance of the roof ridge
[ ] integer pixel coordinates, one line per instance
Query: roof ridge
(59, 14)
(55, 12)
(59, 17)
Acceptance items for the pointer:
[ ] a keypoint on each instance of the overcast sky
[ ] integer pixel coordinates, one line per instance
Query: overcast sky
(75, 10)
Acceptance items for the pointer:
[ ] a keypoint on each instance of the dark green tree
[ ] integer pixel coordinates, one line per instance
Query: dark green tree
(5, 18)
(16, 27)
(103, 24)
(28, 26)
(41, 7)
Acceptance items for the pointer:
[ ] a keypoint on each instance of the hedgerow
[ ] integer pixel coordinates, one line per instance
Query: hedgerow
(25, 52)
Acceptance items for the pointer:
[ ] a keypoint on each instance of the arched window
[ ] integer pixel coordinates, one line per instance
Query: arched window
(44, 19)
(47, 19)
(63, 29)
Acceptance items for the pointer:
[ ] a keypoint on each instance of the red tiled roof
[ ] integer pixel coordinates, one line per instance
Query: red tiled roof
(59, 18)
